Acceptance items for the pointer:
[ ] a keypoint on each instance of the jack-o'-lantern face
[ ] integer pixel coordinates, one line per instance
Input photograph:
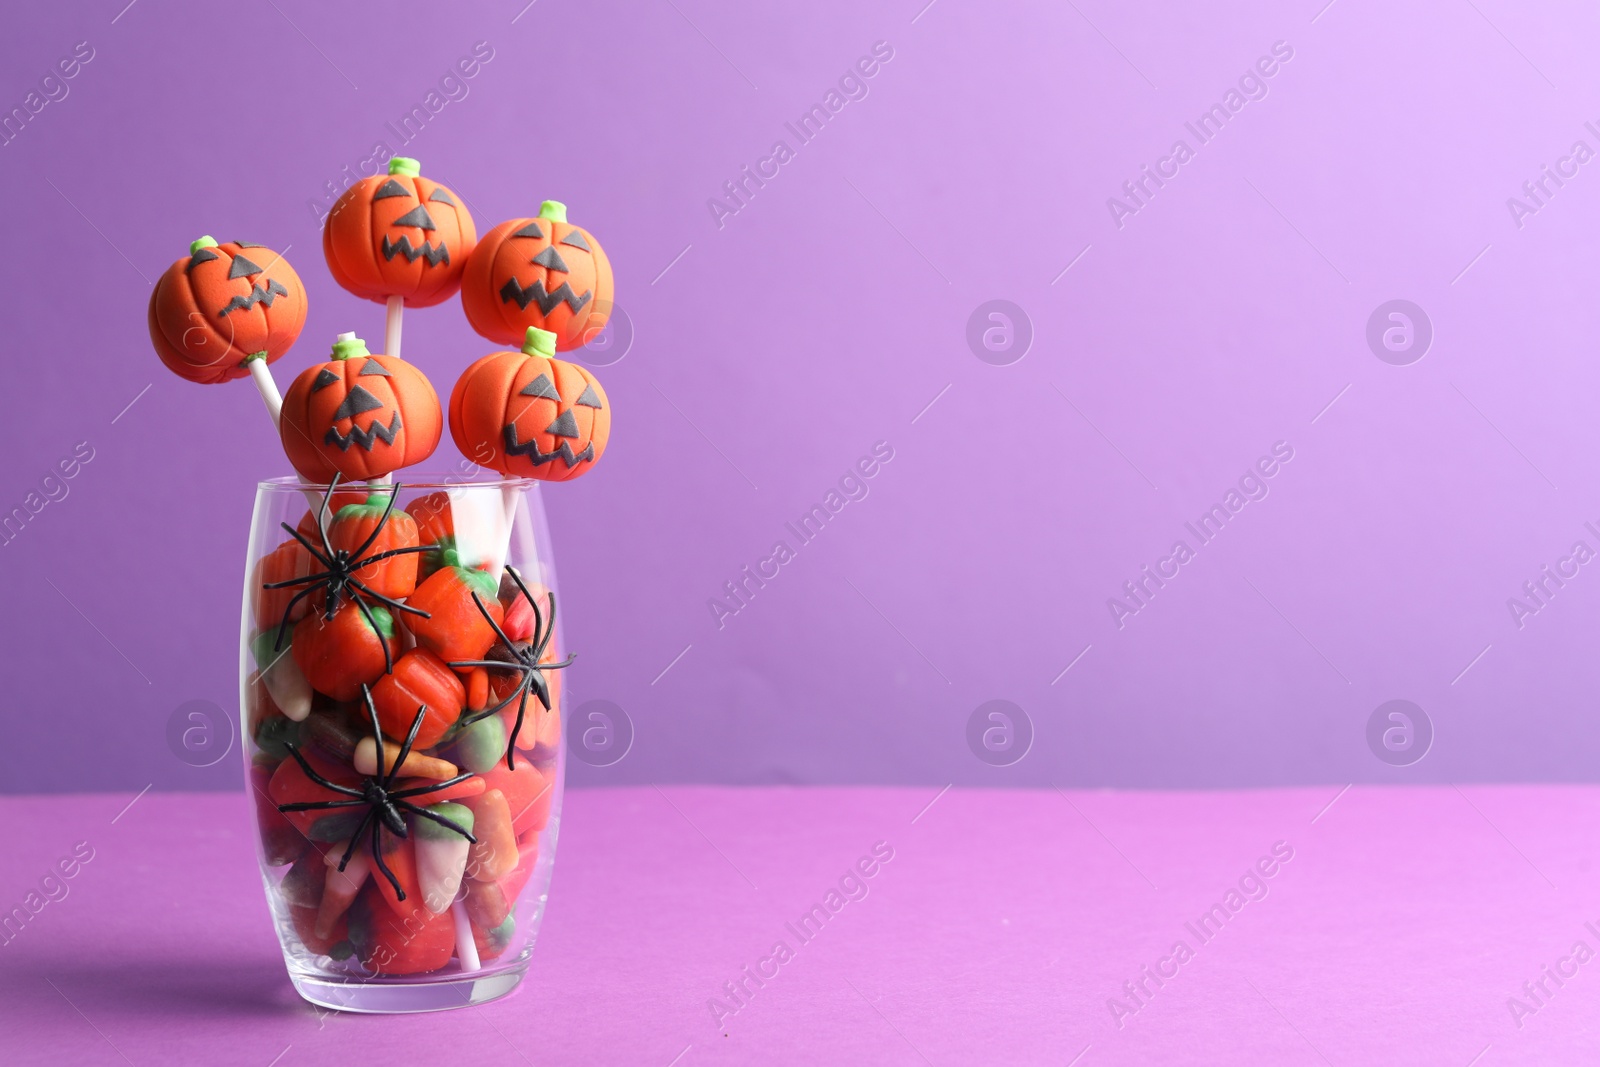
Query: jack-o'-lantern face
(529, 414)
(544, 273)
(359, 415)
(224, 305)
(399, 234)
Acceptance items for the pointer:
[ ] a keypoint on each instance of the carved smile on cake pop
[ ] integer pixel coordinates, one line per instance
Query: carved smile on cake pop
(542, 272)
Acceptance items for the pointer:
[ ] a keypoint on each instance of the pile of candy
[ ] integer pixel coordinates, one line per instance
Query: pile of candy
(403, 703)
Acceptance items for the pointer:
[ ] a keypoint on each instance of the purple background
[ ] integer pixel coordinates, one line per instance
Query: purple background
(825, 316)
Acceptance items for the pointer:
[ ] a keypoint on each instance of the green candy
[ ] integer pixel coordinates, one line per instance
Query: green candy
(262, 650)
(480, 746)
(500, 936)
(428, 830)
(273, 736)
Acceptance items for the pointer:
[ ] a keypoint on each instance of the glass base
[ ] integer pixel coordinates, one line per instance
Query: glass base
(401, 997)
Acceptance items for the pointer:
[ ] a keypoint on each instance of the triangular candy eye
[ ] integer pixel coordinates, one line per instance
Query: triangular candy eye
(390, 188)
(550, 259)
(357, 401)
(372, 366)
(575, 240)
(564, 426)
(242, 268)
(248, 244)
(589, 399)
(443, 196)
(324, 379)
(205, 255)
(417, 216)
(530, 230)
(541, 387)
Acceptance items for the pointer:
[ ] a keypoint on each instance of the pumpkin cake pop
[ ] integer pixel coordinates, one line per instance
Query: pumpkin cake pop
(528, 413)
(226, 311)
(398, 239)
(359, 415)
(542, 272)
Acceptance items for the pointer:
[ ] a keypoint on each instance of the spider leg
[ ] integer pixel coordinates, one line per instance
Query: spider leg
(516, 731)
(319, 805)
(377, 855)
(350, 849)
(417, 791)
(388, 660)
(294, 750)
(305, 543)
(283, 624)
(503, 705)
(440, 819)
(538, 619)
(295, 581)
(395, 604)
(362, 561)
(405, 749)
(377, 730)
(378, 529)
(322, 514)
(490, 620)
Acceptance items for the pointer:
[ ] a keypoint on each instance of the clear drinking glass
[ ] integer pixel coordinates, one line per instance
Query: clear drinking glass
(434, 616)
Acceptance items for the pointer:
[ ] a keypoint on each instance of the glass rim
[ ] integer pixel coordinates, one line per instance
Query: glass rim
(424, 480)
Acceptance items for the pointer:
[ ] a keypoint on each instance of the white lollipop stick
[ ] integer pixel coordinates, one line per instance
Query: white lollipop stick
(466, 948)
(391, 327)
(261, 374)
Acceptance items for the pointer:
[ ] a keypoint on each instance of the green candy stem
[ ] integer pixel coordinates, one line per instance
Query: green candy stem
(254, 355)
(481, 581)
(405, 165)
(384, 620)
(207, 241)
(429, 830)
(554, 210)
(347, 345)
(539, 343)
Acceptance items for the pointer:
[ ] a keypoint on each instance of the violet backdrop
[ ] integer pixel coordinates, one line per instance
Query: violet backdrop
(1174, 341)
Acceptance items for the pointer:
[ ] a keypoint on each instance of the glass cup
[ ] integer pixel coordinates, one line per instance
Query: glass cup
(400, 698)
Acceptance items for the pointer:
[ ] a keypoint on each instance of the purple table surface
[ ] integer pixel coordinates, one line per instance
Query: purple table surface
(1000, 931)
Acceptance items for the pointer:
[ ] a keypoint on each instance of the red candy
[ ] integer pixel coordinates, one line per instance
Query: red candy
(341, 654)
(281, 842)
(528, 793)
(288, 560)
(289, 785)
(391, 943)
(420, 679)
(455, 629)
(351, 528)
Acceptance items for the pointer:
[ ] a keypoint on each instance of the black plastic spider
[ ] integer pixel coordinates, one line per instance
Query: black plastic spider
(521, 656)
(384, 802)
(339, 579)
